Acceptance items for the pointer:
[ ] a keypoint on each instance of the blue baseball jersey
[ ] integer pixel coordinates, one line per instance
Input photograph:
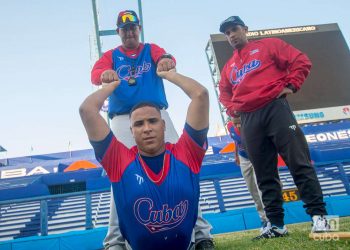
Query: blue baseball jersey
(156, 211)
(236, 136)
(148, 88)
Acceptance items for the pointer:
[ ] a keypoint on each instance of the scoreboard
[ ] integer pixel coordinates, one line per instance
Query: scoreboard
(325, 95)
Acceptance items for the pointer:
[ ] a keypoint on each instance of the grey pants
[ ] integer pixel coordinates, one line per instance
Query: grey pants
(120, 126)
(248, 174)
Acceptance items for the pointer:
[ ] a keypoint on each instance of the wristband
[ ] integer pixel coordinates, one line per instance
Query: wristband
(291, 87)
(166, 55)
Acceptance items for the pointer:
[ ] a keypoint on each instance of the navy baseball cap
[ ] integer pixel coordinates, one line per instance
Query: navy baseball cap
(232, 20)
(127, 17)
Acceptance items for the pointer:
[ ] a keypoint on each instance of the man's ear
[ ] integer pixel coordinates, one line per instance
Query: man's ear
(132, 132)
(164, 124)
(117, 30)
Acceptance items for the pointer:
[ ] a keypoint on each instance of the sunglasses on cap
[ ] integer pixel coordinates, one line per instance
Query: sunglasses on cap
(125, 17)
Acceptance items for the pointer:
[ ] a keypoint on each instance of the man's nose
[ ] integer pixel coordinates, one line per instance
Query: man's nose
(147, 127)
(231, 34)
(129, 31)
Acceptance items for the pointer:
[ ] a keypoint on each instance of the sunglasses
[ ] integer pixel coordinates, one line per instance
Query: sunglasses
(131, 18)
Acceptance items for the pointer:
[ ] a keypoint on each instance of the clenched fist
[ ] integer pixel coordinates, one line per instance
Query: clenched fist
(165, 64)
(165, 73)
(109, 76)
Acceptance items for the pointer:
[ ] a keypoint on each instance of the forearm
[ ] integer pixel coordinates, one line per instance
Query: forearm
(96, 127)
(225, 99)
(103, 64)
(299, 70)
(198, 110)
(225, 96)
(94, 102)
(191, 87)
(296, 63)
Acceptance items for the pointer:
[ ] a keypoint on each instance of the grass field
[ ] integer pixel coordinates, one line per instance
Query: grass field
(298, 239)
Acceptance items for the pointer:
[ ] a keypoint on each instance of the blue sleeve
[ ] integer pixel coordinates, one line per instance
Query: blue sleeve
(199, 136)
(100, 147)
(234, 135)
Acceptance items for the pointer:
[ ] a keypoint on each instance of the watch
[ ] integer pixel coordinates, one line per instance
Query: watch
(166, 55)
(291, 87)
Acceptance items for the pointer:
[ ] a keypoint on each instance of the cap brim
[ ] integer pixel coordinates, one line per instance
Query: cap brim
(227, 24)
(122, 25)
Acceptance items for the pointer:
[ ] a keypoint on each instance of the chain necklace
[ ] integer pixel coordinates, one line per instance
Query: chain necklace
(146, 168)
(132, 62)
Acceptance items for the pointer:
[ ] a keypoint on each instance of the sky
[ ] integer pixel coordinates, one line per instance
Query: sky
(46, 55)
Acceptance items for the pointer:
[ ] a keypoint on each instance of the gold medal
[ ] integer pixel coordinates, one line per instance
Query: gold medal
(132, 81)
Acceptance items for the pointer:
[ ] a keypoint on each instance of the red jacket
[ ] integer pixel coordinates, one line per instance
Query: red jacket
(106, 61)
(257, 73)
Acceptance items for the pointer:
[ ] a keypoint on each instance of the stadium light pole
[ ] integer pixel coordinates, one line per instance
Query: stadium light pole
(99, 33)
(97, 30)
(141, 19)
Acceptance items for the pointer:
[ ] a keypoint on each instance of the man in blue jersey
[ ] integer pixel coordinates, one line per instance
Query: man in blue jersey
(155, 184)
(135, 64)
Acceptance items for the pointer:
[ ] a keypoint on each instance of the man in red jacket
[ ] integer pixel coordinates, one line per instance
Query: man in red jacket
(253, 87)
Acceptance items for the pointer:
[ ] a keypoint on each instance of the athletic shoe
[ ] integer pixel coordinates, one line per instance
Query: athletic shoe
(207, 244)
(319, 224)
(265, 225)
(273, 232)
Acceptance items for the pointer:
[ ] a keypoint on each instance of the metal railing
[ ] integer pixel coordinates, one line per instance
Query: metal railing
(44, 208)
(44, 211)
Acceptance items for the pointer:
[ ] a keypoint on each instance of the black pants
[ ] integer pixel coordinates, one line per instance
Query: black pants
(270, 131)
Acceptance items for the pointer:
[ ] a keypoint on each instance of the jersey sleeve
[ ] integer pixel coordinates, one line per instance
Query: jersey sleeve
(199, 136)
(234, 133)
(157, 52)
(225, 96)
(293, 60)
(102, 64)
(113, 156)
(189, 152)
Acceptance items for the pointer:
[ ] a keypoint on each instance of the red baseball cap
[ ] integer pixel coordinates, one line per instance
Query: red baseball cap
(127, 17)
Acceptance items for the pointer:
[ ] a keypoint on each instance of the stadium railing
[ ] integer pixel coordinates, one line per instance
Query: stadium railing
(44, 208)
(217, 196)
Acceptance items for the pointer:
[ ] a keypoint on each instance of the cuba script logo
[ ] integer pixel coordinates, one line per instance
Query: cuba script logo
(126, 71)
(159, 220)
(237, 75)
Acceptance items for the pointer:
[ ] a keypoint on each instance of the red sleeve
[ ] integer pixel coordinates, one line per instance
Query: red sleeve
(237, 131)
(289, 58)
(116, 159)
(189, 152)
(157, 52)
(225, 96)
(229, 125)
(102, 64)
